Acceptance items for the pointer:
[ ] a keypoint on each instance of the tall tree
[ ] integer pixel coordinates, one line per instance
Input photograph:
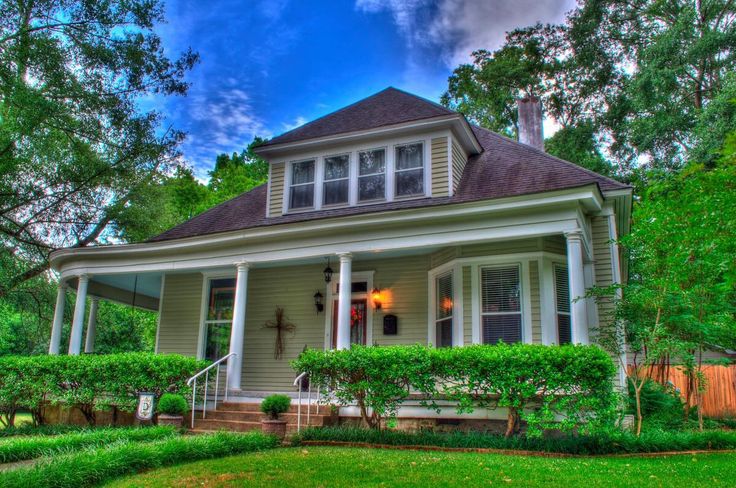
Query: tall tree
(75, 150)
(237, 173)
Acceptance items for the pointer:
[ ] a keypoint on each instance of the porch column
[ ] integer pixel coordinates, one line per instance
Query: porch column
(576, 274)
(89, 342)
(343, 307)
(58, 322)
(75, 339)
(237, 331)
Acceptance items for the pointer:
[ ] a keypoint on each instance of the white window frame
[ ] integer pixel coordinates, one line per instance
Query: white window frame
(423, 167)
(324, 180)
(291, 185)
(435, 306)
(458, 333)
(385, 174)
(555, 266)
(204, 306)
(522, 298)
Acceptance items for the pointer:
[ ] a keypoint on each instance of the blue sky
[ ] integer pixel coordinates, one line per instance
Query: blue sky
(269, 66)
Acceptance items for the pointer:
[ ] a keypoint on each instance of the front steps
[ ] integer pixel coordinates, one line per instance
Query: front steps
(247, 416)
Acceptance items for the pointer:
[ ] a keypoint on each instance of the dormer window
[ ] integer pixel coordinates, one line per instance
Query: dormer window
(301, 193)
(337, 180)
(410, 169)
(371, 175)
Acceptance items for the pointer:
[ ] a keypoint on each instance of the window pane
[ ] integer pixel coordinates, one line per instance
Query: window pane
(501, 289)
(564, 329)
(336, 192)
(444, 296)
(371, 187)
(562, 289)
(218, 341)
(444, 333)
(337, 167)
(302, 172)
(410, 182)
(302, 196)
(221, 299)
(409, 156)
(501, 327)
(372, 162)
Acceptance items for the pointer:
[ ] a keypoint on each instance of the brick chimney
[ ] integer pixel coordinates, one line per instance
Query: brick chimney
(530, 122)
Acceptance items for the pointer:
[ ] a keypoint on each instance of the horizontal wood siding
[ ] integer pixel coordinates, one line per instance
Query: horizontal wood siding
(458, 164)
(504, 247)
(555, 244)
(443, 256)
(536, 303)
(440, 168)
(277, 181)
(180, 314)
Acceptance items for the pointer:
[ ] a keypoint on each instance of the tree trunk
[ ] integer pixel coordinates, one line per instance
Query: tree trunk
(637, 395)
(512, 422)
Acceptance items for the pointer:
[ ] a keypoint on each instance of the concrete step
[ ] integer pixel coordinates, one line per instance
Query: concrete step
(210, 425)
(247, 416)
(256, 407)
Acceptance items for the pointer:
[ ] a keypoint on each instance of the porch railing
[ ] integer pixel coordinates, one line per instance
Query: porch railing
(299, 382)
(206, 372)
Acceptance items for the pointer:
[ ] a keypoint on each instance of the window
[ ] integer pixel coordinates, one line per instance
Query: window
(371, 175)
(337, 182)
(562, 305)
(410, 169)
(302, 185)
(501, 304)
(219, 317)
(444, 310)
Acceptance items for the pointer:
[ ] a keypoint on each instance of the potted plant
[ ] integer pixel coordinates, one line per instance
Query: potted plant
(171, 409)
(273, 406)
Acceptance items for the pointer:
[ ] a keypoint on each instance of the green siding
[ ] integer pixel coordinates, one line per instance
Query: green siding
(180, 314)
(534, 283)
(440, 167)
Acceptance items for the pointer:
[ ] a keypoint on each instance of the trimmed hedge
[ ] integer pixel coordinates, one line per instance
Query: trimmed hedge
(561, 387)
(89, 382)
(30, 447)
(95, 467)
(603, 442)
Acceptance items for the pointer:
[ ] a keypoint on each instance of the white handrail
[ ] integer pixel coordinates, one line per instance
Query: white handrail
(298, 383)
(206, 372)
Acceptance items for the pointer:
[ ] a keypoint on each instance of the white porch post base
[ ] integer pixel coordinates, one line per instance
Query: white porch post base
(75, 339)
(58, 322)
(89, 342)
(237, 332)
(344, 295)
(576, 272)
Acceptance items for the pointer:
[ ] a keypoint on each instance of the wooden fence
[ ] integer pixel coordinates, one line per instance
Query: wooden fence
(720, 396)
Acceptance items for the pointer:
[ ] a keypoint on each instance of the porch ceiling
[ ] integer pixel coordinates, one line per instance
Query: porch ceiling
(142, 290)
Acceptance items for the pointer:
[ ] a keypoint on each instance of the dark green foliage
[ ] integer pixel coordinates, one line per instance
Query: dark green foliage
(535, 383)
(46, 430)
(275, 405)
(30, 447)
(90, 382)
(604, 442)
(661, 405)
(172, 404)
(95, 467)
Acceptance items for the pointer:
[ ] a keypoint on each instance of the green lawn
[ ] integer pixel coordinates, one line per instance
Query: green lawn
(325, 466)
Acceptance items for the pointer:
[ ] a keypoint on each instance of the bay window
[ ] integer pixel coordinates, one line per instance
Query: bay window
(562, 305)
(371, 175)
(219, 317)
(500, 290)
(301, 194)
(409, 169)
(336, 180)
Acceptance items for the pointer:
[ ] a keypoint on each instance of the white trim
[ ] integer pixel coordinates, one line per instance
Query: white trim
(475, 304)
(457, 317)
(288, 185)
(527, 335)
(524, 306)
(458, 327)
(204, 304)
(450, 169)
(332, 294)
(547, 302)
(160, 309)
(268, 191)
(349, 179)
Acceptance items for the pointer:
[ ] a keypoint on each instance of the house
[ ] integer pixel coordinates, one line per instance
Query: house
(434, 230)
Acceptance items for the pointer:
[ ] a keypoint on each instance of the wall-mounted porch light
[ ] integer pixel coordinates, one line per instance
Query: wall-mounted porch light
(318, 304)
(376, 298)
(328, 272)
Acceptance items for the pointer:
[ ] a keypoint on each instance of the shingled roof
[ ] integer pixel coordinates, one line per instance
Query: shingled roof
(387, 107)
(504, 168)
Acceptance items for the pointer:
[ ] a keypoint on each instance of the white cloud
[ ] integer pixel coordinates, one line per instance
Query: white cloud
(299, 121)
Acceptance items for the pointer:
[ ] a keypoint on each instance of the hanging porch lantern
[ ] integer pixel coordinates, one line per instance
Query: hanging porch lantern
(328, 272)
(318, 304)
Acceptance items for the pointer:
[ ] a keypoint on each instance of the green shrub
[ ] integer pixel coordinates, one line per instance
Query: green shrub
(561, 387)
(92, 468)
(90, 382)
(602, 442)
(661, 406)
(275, 405)
(29, 447)
(172, 404)
(46, 430)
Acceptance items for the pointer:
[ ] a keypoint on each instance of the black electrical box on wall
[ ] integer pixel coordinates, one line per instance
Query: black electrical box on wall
(390, 325)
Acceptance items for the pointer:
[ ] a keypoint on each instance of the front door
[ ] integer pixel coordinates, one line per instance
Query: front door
(358, 309)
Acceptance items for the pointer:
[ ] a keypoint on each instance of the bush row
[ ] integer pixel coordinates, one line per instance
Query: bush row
(89, 382)
(92, 468)
(30, 447)
(561, 387)
(601, 442)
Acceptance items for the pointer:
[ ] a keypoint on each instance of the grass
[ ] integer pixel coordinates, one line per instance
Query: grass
(336, 467)
(20, 448)
(92, 467)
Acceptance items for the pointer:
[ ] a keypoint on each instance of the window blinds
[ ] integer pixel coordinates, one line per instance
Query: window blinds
(501, 304)
(562, 304)
(444, 310)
